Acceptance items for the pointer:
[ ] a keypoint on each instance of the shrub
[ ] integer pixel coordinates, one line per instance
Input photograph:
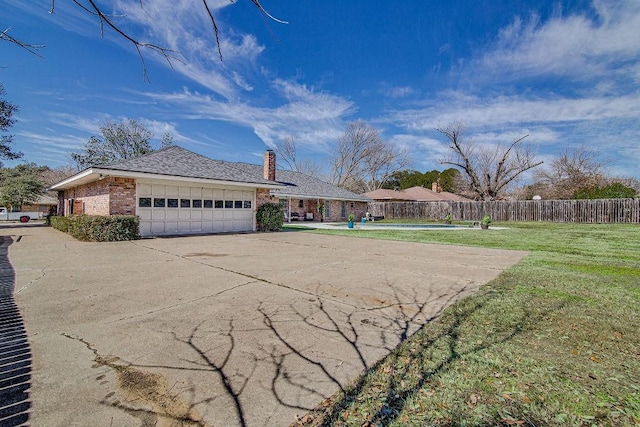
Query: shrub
(611, 191)
(59, 223)
(270, 217)
(99, 228)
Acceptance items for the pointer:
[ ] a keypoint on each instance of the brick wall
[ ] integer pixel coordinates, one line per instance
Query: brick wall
(110, 196)
(262, 197)
(358, 210)
(122, 196)
(90, 199)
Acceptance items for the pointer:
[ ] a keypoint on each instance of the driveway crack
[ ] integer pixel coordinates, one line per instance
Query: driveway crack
(181, 303)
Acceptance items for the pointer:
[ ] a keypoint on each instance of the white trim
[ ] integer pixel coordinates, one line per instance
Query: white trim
(93, 174)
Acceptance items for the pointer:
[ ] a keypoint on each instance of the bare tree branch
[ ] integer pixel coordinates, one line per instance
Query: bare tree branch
(362, 161)
(90, 7)
(31, 48)
(489, 171)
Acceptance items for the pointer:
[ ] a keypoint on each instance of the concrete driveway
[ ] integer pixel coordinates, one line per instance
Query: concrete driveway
(221, 330)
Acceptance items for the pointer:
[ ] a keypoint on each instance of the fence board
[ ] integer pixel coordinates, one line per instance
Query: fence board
(603, 211)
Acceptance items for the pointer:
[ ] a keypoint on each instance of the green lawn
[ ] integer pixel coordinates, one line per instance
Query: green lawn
(553, 341)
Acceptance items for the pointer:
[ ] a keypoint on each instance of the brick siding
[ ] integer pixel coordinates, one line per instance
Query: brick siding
(110, 196)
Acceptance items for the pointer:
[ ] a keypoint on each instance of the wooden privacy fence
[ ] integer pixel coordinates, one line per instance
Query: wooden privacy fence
(583, 211)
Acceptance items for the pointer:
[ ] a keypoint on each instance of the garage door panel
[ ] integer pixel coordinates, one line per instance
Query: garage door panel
(158, 190)
(216, 209)
(171, 190)
(144, 190)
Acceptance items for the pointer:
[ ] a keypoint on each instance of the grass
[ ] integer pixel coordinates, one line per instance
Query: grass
(553, 341)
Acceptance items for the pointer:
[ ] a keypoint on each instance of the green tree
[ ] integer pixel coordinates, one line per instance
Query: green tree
(119, 141)
(449, 179)
(7, 110)
(21, 185)
(615, 190)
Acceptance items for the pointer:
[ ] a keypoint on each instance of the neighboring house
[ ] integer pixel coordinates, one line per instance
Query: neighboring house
(414, 194)
(176, 191)
(44, 204)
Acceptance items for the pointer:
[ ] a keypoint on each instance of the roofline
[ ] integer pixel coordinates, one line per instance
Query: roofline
(67, 183)
(306, 196)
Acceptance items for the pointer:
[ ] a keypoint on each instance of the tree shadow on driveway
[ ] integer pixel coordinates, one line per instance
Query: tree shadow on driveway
(15, 354)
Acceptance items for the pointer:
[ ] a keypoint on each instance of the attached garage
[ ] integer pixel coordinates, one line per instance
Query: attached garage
(175, 191)
(175, 208)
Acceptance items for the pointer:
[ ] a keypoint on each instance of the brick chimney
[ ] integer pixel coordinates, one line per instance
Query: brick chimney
(270, 165)
(435, 186)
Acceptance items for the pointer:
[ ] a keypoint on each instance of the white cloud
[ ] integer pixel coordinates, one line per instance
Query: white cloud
(185, 27)
(496, 112)
(580, 46)
(315, 119)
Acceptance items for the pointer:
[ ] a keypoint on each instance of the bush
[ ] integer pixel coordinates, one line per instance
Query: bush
(59, 223)
(270, 217)
(98, 228)
(611, 191)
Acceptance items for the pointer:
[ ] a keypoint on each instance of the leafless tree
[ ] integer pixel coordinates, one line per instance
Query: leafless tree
(363, 161)
(287, 158)
(108, 20)
(488, 171)
(573, 170)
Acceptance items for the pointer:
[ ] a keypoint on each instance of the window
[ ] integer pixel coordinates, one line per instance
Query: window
(327, 210)
(247, 204)
(301, 203)
(237, 204)
(197, 204)
(228, 204)
(219, 204)
(159, 203)
(208, 204)
(185, 203)
(172, 203)
(144, 202)
(343, 209)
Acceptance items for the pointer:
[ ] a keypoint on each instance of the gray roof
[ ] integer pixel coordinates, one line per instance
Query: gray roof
(177, 161)
(305, 186)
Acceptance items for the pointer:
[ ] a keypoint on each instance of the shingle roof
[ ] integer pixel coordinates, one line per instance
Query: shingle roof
(300, 185)
(177, 161)
(418, 193)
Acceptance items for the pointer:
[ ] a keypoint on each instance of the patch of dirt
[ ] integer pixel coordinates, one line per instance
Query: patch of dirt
(148, 397)
(145, 395)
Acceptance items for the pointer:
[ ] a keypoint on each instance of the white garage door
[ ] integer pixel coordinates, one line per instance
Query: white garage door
(174, 209)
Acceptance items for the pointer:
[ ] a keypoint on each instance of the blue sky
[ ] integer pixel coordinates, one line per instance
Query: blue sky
(565, 72)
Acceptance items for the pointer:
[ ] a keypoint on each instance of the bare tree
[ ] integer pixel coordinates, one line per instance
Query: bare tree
(287, 158)
(488, 171)
(573, 170)
(108, 20)
(363, 161)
